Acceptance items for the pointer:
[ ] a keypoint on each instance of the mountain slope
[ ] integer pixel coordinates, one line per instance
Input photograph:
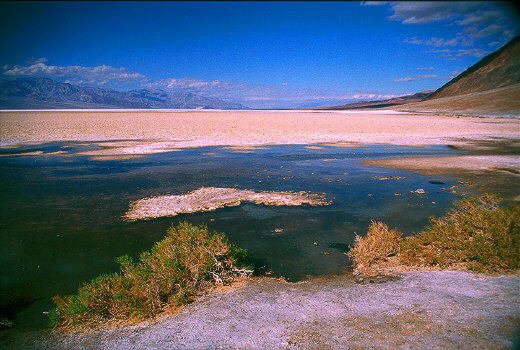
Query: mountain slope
(42, 93)
(499, 102)
(396, 101)
(498, 69)
(490, 87)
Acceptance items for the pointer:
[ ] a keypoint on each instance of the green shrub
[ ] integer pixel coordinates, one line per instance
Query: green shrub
(187, 262)
(478, 233)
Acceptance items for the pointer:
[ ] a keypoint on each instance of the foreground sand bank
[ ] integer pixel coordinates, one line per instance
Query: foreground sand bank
(422, 310)
(186, 129)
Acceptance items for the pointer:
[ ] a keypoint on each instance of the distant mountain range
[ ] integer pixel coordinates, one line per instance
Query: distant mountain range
(44, 93)
(489, 87)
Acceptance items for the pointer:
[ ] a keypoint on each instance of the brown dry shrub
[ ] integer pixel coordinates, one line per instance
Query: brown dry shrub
(377, 246)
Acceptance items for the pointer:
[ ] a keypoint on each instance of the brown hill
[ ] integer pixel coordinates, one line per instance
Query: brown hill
(491, 87)
(396, 101)
(499, 102)
(498, 69)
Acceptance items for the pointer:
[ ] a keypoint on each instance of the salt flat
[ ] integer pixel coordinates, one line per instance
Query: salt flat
(209, 128)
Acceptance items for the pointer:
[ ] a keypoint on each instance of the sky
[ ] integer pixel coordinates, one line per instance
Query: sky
(259, 54)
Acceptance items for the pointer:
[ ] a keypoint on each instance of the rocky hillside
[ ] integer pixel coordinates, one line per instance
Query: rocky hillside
(498, 69)
(43, 93)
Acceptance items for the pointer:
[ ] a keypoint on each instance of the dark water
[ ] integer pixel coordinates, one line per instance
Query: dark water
(61, 215)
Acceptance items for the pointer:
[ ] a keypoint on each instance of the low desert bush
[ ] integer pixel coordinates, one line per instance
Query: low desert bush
(377, 246)
(187, 262)
(478, 234)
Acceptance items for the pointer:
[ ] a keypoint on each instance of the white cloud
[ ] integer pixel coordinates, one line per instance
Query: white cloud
(373, 3)
(414, 40)
(462, 13)
(420, 77)
(429, 12)
(471, 52)
(438, 42)
(496, 22)
(33, 60)
(455, 73)
(453, 54)
(193, 85)
(493, 29)
(425, 68)
(373, 96)
(481, 18)
(98, 76)
(441, 51)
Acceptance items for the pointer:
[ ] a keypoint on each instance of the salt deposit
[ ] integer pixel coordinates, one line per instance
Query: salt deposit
(212, 198)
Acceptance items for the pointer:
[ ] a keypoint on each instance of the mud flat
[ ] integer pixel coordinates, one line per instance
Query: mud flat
(451, 164)
(129, 134)
(418, 310)
(212, 198)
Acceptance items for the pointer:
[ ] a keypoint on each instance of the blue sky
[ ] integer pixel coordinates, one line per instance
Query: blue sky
(260, 54)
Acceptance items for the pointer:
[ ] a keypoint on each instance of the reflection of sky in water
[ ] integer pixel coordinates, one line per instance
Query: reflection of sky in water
(61, 216)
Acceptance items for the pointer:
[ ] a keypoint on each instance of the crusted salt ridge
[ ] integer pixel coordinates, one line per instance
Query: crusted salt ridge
(212, 198)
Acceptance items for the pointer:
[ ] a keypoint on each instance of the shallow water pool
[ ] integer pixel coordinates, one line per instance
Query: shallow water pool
(62, 212)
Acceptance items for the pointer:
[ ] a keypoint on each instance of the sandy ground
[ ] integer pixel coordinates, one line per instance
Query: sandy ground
(420, 310)
(184, 129)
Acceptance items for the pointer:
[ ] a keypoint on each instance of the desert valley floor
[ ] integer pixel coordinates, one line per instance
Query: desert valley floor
(298, 185)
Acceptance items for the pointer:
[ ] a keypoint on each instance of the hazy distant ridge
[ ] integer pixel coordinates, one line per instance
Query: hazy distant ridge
(42, 93)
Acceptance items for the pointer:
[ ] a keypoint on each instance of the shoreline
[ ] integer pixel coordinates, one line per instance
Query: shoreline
(493, 143)
(429, 309)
